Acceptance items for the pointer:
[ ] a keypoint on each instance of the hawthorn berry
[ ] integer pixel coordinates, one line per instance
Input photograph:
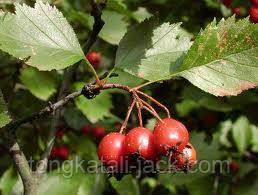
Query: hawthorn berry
(170, 135)
(140, 141)
(234, 167)
(255, 3)
(99, 132)
(253, 11)
(237, 11)
(227, 3)
(94, 59)
(186, 159)
(60, 152)
(86, 129)
(111, 150)
(60, 133)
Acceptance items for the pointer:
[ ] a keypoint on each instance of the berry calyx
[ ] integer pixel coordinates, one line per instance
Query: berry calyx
(60, 152)
(170, 135)
(94, 59)
(111, 150)
(253, 11)
(186, 159)
(140, 141)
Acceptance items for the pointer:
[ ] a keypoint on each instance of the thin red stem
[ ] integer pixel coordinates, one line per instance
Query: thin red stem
(155, 101)
(153, 113)
(130, 108)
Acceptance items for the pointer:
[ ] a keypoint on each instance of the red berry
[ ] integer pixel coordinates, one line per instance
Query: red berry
(253, 11)
(60, 133)
(186, 159)
(99, 132)
(94, 59)
(111, 150)
(63, 153)
(60, 152)
(86, 129)
(234, 167)
(169, 135)
(255, 3)
(237, 11)
(140, 141)
(227, 3)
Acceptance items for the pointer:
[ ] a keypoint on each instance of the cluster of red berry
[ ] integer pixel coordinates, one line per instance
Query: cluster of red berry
(170, 138)
(94, 58)
(253, 10)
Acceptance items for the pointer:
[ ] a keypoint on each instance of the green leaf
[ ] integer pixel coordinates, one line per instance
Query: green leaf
(225, 128)
(206, 100)
(141, 14)
(207, 184)
(223, 59)
(185, 107)
(241, 133)
(40, 35)
(117, 5)
(7, 181)
(4, 116)
(114, 29)
(127, 186)
(254, 140)
(78, 183)
(125, 78)
(94, 109)
(150, 124)
(74, 118)
(41, 84)
(152, 51)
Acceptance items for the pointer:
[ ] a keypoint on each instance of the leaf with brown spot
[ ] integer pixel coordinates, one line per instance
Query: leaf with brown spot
(227, 64)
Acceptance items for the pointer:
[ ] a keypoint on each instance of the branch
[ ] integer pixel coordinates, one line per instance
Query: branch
(97, 26)
(21, 163)
(44, 112)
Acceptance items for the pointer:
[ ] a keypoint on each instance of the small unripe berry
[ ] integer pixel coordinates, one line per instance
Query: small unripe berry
(94, 59)
(253, 11)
